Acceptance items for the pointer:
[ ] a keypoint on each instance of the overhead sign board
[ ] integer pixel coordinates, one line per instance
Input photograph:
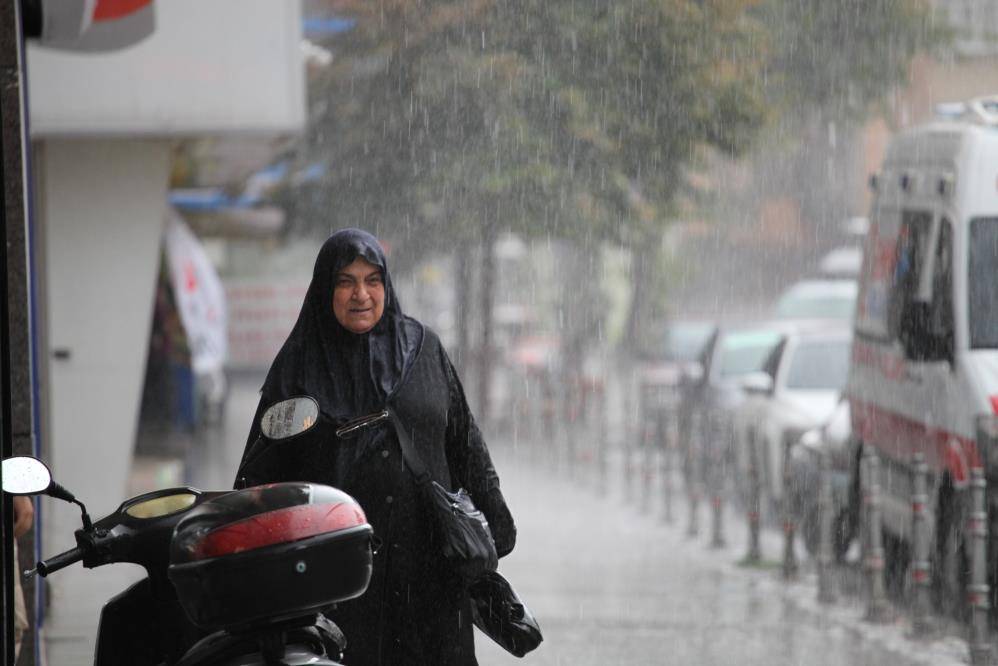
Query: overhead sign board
(188, 76)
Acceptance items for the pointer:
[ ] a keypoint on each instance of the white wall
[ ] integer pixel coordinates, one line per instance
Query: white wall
(211, 66)
(103, 203)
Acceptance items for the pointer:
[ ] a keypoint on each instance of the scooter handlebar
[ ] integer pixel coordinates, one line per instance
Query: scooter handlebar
(60, 561)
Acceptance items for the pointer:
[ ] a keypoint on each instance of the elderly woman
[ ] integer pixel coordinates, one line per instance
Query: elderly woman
(355, 352)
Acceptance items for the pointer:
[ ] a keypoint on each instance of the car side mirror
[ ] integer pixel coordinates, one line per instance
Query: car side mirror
(693, 372)
(757, 383)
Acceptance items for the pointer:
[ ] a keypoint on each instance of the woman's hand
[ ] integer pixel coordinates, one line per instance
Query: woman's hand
(24, 515)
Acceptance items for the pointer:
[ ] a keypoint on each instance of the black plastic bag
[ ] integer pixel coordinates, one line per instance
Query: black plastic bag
(501, 615)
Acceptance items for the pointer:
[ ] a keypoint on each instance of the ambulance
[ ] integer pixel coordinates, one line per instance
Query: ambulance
(924, 363)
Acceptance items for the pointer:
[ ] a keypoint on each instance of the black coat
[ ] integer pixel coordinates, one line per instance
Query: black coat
(414, 611)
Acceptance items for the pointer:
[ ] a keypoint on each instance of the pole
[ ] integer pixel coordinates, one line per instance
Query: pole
(602, 433)
(754, 554)
(648, 458)
(716, 473)
(17, 412)
(977, 589)
(877, 609)
(693, 476)
(921, 571)
(666, 420)
(826, 558)
(791, 568)
(629, 430)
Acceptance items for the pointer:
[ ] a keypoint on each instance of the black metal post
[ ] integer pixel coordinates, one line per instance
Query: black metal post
(16, 413)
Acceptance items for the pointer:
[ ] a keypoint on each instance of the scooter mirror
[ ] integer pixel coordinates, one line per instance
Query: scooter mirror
(290, 417)
(24, 475)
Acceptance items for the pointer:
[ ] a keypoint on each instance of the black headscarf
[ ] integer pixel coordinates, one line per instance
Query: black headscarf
(349, 374)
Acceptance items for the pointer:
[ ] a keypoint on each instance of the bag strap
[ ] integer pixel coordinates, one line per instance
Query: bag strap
(409, 454)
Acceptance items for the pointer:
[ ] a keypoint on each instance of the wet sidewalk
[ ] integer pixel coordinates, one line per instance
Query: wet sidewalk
(610, 584)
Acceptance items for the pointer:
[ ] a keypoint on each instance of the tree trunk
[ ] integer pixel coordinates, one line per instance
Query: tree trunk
(487, 305)
(462, 306)
(642, 275)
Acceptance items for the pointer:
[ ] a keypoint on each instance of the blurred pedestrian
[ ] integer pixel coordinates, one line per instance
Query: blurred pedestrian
(355, 352)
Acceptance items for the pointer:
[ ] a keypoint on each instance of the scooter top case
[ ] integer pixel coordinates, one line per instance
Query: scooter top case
(270, 553)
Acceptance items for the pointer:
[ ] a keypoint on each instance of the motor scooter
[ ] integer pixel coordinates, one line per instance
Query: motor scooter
(234, 578)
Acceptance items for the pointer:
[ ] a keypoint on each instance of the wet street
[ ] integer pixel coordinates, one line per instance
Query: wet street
(608, 583)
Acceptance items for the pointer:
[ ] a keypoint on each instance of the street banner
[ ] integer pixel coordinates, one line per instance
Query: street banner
(199, 296)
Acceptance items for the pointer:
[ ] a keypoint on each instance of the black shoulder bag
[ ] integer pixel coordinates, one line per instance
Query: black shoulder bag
(461, 529)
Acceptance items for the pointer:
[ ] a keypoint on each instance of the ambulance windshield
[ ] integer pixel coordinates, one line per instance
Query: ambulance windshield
(982, 293)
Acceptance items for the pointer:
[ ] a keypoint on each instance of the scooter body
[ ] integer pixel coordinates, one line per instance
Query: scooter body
(146, 624)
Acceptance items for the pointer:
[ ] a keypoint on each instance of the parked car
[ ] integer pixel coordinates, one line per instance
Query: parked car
(660, 379)
(834, 439)
(818, 299)
(713, 390)
(795, 390)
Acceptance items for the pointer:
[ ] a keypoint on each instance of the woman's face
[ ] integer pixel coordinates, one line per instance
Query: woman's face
(359, 296)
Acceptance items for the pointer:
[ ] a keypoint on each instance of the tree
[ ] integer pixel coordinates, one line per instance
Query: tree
(449, 121)
(833, 64)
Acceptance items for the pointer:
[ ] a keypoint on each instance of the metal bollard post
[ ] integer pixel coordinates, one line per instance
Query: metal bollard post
(647, 465)
(630, 430)
(628, 465)
(877, 609)
(921, 572)
(717, 538)
(693, 487)
(571, 430)
(826, 557)
(601, 445)
(791, 568)
(716, 472)
(754, 553)
(549, 455)
(978, 589)
(668, 453)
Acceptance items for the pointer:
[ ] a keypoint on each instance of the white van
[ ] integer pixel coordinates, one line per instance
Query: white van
(924, 367)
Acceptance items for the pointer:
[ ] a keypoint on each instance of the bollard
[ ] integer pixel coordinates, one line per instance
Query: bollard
(921, 572)
(754, 553)
(693, 485)
(647, 464)
(717, 538)
(716, 472)
(630, 430)
(628, 466)
(549, 455)
(601, 443)
(826, 558)
(693, 527)
(978, 589)
(668, 453)
(877, 609)
(791, 568)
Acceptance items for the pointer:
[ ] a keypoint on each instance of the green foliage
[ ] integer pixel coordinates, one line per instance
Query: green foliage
(840, 58)
(443, 118)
